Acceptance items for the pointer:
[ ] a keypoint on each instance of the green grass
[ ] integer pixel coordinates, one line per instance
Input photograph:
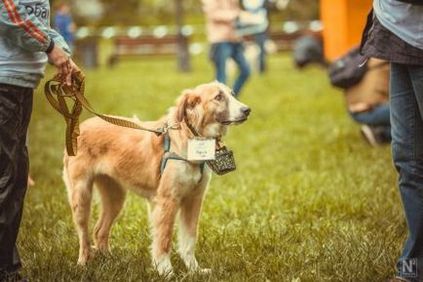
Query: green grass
(310, 200)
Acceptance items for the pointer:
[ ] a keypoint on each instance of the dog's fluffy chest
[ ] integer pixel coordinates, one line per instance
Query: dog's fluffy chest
(190, 178)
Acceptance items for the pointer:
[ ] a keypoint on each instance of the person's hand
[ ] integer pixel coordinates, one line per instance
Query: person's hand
(359, 107)
(73, 66)
(63, 63)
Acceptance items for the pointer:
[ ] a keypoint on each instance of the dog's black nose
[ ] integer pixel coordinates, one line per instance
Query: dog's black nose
(246, 110)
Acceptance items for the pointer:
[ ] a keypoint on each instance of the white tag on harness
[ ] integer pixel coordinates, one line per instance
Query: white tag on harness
(201, 149)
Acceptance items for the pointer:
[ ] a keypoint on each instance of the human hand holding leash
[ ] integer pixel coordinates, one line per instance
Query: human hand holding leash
(63, 63)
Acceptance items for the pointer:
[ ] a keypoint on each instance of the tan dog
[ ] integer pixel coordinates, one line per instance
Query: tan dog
(117, 159)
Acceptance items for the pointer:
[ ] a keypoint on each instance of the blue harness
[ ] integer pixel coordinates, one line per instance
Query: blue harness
(171, 155)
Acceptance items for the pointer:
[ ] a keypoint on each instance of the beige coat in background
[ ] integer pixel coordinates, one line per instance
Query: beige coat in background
(221, 16)
(372, 90)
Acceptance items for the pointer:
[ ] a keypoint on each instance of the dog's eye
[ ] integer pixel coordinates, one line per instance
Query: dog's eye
(219, 97)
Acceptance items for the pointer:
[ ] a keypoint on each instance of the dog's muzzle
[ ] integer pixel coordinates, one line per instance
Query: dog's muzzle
(245, 112)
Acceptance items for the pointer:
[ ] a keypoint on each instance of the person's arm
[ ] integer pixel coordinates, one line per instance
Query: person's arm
(414, 2)
(59, 41)
(30, 33)
(216, 13)
(24, 30)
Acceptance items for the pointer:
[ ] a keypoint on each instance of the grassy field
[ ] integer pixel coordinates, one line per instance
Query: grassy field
(310, 201)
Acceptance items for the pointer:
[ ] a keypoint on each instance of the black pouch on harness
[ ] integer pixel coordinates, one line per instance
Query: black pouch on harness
(348, 70)
(224, 161)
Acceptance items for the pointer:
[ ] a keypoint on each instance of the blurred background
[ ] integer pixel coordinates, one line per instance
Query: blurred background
(105, 30)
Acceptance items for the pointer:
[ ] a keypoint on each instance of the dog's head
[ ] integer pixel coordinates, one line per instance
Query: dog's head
(210, 108)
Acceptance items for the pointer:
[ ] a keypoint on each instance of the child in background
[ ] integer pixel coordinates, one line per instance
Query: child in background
(64, 24)
(221, 17)
(253, 21)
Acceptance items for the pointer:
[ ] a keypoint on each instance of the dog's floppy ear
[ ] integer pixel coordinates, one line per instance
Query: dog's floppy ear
(188, 100)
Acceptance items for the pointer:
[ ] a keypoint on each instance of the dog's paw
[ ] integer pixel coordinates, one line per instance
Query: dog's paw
(101, 250)
(167, 275)
(84, 257)
(165, 272)
(204, 271)
(82, 262)
(199, 270)
(164, 267)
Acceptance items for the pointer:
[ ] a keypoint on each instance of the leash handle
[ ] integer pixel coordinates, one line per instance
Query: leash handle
(54, 87)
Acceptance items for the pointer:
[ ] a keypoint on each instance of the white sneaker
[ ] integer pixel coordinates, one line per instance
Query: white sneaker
(369, 134)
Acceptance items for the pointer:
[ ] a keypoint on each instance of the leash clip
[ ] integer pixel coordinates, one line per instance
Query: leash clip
(165, 129)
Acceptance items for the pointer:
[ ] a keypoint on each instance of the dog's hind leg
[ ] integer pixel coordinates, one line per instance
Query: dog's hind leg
(112, 199)
(188, 228)
(80, 194)
(162, 217)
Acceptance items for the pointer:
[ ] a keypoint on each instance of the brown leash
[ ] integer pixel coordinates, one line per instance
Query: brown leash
(57, 91)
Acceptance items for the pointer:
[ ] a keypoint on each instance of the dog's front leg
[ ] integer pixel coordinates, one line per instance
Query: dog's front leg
(162, 220)
(188, 226)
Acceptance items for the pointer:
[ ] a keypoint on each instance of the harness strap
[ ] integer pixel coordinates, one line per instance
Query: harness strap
(171, 155)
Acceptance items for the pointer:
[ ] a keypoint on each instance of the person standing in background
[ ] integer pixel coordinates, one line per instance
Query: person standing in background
(253, 21)
(221, 16)
(26, 43)
(368, 103)
(395, 33)
(64, 24)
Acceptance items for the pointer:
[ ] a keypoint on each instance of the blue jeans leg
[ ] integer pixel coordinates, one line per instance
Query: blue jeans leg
(244, 69)
(219, 54)
(407, 150)
(260, 39)
(378, 117)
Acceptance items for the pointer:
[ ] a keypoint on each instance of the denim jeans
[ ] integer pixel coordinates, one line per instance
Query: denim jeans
(406, 92)
(260, 39)
(377, 117)
(220, 53)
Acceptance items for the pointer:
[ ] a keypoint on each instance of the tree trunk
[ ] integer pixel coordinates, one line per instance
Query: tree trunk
(183, 56)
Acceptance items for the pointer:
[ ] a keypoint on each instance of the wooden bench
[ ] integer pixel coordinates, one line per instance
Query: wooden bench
(146, 45)
(283, 41)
